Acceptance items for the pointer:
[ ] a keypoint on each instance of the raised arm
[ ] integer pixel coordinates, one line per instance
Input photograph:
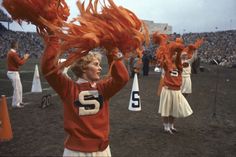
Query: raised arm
(119, 78)
(49, 66)
(178, 61)
(193, 58)
(177, 47)
(20, 61)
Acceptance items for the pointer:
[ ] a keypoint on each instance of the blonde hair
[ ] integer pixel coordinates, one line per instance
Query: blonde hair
(81, 64)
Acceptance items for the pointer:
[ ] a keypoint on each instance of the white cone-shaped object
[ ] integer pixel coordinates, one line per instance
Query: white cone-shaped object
(135, 101)
(36, 86)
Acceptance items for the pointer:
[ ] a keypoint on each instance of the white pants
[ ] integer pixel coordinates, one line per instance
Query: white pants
(105, 153)
(16, 83)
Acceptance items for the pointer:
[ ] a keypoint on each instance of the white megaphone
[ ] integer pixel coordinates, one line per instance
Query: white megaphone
(36, 86)
(135, 101)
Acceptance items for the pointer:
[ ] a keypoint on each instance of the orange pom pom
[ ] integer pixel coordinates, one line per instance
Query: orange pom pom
(112, 27)
(54, 11)
(159, 38)
(179, 40)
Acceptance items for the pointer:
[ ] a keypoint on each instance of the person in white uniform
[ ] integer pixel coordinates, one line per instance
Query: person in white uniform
(186, 87)
(13, 64)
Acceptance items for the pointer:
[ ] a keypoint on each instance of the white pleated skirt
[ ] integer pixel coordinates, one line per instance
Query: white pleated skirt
(173, 103)
(72, 153)
(186, 86)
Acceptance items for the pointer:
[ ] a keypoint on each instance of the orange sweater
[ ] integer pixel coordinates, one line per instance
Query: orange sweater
(173, 71)
(14, 61)
(173, 78)
(86, 132)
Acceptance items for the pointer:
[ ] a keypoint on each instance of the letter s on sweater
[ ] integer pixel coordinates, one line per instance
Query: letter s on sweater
(83, 109)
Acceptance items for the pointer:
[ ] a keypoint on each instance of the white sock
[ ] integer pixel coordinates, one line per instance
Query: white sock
(171, 126)
(166, 126)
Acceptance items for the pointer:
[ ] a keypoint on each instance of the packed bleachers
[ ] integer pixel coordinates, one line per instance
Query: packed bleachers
(27, 41)
(220, 46)
(30, 42)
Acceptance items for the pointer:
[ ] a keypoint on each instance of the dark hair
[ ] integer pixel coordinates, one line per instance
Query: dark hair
(14, 44)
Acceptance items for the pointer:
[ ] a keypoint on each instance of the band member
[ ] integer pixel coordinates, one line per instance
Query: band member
(14, 61)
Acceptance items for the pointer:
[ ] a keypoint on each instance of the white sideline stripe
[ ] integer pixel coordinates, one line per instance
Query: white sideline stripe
(28, 93)
(28, 103)
(24, 71)
(32, 82)
(7, 80)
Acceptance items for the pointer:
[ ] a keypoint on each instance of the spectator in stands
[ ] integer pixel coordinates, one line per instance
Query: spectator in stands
(220, 46)
(28, 41)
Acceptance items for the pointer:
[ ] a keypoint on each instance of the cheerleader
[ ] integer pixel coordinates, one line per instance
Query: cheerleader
(186, 87)
(189, 55)
(86, 100)
(172, 103)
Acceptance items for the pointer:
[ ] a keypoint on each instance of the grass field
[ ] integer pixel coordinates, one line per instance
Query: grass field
(39, 132)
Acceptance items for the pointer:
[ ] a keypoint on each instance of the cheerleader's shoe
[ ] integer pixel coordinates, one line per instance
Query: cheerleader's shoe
(168, 131)
(20, 105)
(173, 129)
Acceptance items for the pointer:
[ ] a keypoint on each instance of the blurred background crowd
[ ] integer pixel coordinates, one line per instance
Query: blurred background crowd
(219, 45)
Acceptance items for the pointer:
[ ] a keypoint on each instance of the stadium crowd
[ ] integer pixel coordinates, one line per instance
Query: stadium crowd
(220, 46)
(28, 42)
